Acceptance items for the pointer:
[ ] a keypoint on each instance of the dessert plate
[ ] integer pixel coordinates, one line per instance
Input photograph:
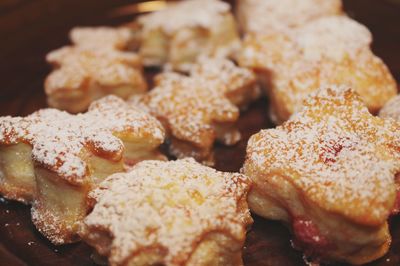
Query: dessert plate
(22, 73)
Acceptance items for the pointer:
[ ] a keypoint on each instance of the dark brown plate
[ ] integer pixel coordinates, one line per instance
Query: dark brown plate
(30, 29)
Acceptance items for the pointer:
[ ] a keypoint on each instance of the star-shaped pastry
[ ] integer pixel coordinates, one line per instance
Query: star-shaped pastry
(177, 35)
(282, 14)
(330, 50)
(169, 213)
(237, 83)
(195, 112)
(94, 67)
(329, 173)
(52, 159)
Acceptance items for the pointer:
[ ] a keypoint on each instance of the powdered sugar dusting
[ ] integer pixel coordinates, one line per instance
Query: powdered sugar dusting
(169, 205)
(186, 14)
(232, 77)
(59, 140)
(346, 35)
(100, 37)
(330, 50)
(266, 16)
(81, 67)
(190, 105)
(338, 155)
(391, 109)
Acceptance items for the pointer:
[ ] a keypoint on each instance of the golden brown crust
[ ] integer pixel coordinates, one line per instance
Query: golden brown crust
(192, 110)
(93, 68)
(172, 213)
(52, 159)
(332, 50)
(238, 84)
(58, 138)
(341, 163)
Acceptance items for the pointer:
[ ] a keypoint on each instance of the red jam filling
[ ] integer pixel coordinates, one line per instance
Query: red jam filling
(309, 238)
(332, 148)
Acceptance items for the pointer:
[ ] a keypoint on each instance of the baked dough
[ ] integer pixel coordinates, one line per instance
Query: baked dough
(198, 109)
(268, 16)
(94, 67)
(177, 35)
(331, 50)
(52, 159)
(329, 174)
(195, 113)
(121, 38)
(238, 84)
(169, 213)
(391, 109)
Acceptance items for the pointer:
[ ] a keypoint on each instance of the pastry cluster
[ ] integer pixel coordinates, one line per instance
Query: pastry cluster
(179, 34)
(202, 108)
(95, 66)
(52, 159)
(330, 50)
(329, 174)
(330, 171)
(169, 213)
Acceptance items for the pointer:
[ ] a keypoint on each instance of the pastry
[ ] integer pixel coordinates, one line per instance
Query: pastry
(195, 113)
(329, 174)
(331, 50)
(169, 213)
(240, 84)
(268, 16)
(102, 37)
(52, 159)
(93, 68)
(180, 33)
(391, 109)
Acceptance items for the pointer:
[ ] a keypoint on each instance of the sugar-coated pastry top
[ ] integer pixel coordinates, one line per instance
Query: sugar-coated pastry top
(101, 37)
(327, 38)
(222, 70)
(391, 109)
(186, 14)
(267, 16)
(340, 34)
(79, 66)
(330, 50)
(60, 140)
(337, 153)
(167, 205)
(190, 105)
